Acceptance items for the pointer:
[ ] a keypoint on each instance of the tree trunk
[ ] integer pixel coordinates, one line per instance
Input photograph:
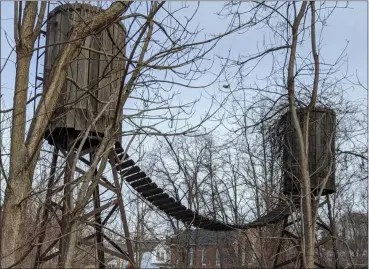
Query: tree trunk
(24, 154)
(19, 185)
(307, 217)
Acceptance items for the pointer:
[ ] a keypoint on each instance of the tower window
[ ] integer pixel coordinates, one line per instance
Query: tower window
(217, 258)
(203, 256)
(190, 258)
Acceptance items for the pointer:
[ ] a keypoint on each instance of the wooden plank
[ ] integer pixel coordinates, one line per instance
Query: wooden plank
(170, 207)
(216, 226)
(113, 64)
(141, 182)
(162, 202)
(132, 170)
(152, 192)
(81, 75)
(183, 214)
(109, 87)
(175, 214)
(50, 40)
(70, 88)
(158, 197)
(125, 165)
(136, 177)
(120, 64)
(93, 75)
(189, 218)
(85, 114)
(204, 223)
(56, 39)
(147, 187)
(118, 39)
(170, 202)
(103, 95)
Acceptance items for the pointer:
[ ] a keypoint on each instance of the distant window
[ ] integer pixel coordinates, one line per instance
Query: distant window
(203, 256)
(190, 258)
(177, 256)
(160, 256)
(217, 258)
(243, 257)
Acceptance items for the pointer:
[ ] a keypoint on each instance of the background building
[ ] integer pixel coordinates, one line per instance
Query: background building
(208, 249)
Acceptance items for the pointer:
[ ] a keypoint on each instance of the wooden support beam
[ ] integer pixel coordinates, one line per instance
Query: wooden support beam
(121, 209)
(286, 262)
(323, 241)
(319, 265)
(98, 210)
(48, 203)
(280, 242)
(67, 206)
(105, 250)
(103, 181)
(115, 245)
(49, 257)
(98, 227)
(110, 214)
(51, 246)
(322, 224)
(288, 233)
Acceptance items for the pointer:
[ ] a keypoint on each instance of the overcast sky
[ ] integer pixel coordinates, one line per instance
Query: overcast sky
(344, 25)
(347, 26)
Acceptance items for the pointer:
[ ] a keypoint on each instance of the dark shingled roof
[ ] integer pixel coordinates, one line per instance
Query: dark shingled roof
(202, 237)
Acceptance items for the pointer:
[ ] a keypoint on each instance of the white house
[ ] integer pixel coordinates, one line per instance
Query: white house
(160, 255)
(156, 255)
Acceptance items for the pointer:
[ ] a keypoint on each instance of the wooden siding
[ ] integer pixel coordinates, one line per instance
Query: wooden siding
(94, 69)
(322, 126)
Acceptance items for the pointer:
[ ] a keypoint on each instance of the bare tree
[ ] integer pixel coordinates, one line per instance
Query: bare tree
(298, 78)
(159, 56)
(234, 178)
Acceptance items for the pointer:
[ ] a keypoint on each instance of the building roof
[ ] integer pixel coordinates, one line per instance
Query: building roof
(148, 245)
(202, 237)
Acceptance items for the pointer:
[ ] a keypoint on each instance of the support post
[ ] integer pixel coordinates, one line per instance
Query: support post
(67, 206)
(285, 221)
(98, 228)
(47, 204)
(121, 207)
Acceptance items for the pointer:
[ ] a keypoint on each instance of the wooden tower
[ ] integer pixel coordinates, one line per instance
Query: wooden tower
(322, 124)
(87, 105)
(321, 152)
(93, 77)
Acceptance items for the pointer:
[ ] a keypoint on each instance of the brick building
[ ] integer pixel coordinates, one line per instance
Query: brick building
(208, 249)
